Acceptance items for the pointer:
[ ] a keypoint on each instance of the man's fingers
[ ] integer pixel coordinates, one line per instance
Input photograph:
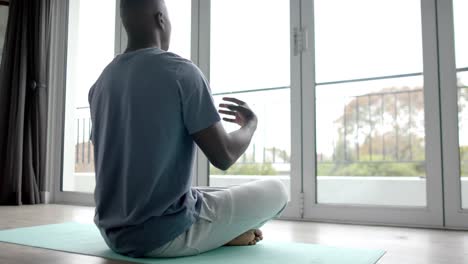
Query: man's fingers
(234, 100)
(231, 107)
(227, 112)
(230, 120)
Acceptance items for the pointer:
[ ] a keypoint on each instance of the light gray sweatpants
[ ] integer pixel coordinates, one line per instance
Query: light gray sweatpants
(226, 214)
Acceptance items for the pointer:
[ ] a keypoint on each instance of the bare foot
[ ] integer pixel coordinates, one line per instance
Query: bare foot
(249, 238)
(258, 235)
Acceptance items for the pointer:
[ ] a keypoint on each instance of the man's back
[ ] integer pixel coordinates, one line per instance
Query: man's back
(144, 108)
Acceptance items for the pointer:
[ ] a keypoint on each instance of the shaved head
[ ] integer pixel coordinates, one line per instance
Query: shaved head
(147, 23)
(134, 3)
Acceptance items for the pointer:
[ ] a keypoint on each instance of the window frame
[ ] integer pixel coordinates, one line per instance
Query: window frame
(439, 62)
(430, 216)
(56, 119)
(455, 215)
(57, 111)
(294, 208)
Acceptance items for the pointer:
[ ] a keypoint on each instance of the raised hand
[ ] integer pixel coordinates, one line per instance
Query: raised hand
(238, 111)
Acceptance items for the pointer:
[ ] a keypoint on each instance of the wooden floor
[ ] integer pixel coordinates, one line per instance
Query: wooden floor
(403, 245)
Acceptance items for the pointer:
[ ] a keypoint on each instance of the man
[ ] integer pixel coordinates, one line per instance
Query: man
(148, 108)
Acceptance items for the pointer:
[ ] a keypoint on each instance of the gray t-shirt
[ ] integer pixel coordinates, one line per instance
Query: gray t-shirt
(144, 108)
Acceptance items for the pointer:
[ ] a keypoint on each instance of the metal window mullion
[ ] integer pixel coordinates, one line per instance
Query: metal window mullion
(433, 148)
(56, 114)
(377, 78)
(194, 57)
(201, 43)
(308, 85)
(253, 90)
(296, 205)
(119, 30)
(455, 216)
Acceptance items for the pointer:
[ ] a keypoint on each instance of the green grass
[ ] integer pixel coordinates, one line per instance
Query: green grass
(394, 169)
(363, 169)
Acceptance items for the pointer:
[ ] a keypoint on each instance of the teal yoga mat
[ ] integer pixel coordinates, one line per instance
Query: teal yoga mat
(86, 239)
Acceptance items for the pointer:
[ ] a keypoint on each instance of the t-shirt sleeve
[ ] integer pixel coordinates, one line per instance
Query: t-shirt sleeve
(198, 108)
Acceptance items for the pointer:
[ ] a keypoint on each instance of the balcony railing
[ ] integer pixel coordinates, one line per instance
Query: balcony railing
(360, 136)
(84, 149)
(374, 127)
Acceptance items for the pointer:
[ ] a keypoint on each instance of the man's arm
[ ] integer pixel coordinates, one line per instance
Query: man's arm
(222, 148)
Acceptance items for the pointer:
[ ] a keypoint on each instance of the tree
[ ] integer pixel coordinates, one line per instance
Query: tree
(383, 134)
(464, 161)
(462, 110)
(379, 134)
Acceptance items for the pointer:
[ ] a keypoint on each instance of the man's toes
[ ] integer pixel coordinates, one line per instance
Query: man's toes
(243, 240)
(258, 234)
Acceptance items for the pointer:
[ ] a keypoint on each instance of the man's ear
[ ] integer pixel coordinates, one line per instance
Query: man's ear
(161, 21)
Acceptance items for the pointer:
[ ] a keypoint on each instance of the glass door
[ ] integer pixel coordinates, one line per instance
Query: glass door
(461, 53)
(254, 60)
(91, 47)
(453, 40)
(356, 100)
(93, 41)
(369, 92)
(370, 103)
(250, 60)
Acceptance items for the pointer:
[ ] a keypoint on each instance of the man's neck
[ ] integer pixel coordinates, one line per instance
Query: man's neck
(137, 45)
